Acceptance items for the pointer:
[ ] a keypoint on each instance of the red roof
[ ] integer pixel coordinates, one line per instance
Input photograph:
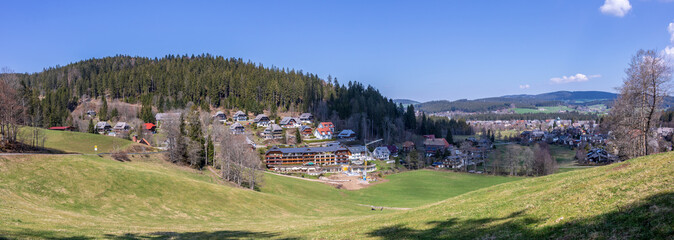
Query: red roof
(60, 128)
(327, 124)
(149, 126)
(323, 131)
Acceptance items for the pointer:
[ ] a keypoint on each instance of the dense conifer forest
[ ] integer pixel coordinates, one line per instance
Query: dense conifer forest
(208, 81)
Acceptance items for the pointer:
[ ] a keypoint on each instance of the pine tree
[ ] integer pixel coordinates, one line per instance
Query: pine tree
(449, 137)
(211, 150)
(91, 128)
(103, 115)
(298, 136)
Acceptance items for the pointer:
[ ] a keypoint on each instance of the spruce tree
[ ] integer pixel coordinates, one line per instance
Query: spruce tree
(103, 115)
(449, 137)
(91, 128)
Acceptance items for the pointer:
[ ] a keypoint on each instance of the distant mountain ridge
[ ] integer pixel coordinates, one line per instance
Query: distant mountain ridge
(568, 96)
(405, 101)
(584, 98)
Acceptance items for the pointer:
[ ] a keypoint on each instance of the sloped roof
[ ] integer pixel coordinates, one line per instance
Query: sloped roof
(286, 120)
(235, 125)
(436, 142)
(149, 126)
(323, 131)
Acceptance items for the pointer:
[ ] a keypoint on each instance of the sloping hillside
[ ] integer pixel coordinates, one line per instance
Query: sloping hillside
(78, 142)
(57, 196)
(629, 200)
(93, 197)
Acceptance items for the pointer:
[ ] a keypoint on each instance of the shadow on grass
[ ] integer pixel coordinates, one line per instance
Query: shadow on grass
(30, 234)
(652, 218)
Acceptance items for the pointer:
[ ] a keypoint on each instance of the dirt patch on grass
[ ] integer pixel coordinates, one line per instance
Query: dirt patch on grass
(343, 181)
(620, 167)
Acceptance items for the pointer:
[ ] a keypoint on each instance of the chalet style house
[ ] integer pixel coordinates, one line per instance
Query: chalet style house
(432, 144)
(359, 154)
(306, 131)
(261, 120)
(347, 134)
(381, 153)
(290, 122)
(103, 127)
(327, 125)
(240, 116)
(273, 131)
(306, 118)
(323, 133)
(220, 117)
(121, 127)
(237, 128)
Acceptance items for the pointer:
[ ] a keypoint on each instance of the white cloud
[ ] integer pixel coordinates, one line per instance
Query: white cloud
(574, 78)
(669, 50)
(525, 86)
(616, 8)
(670, 29)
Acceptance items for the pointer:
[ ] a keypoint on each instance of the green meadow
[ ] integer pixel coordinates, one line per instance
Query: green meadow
(92, 197)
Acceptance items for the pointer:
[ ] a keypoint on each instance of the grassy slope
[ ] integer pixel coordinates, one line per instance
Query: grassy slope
(77, 142)
(407, 189)
(103, 198)
(69, 196)
(634, 199)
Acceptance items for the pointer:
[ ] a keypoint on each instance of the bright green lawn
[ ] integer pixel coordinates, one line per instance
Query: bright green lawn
(417, 188)
(548, 109)
(78, 142)
(84, 197)
(407, 189)
(630, 200)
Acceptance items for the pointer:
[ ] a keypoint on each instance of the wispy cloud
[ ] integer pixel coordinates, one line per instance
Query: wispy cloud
(616, 8)
(525, 86)
(579, 77)
(669, 50)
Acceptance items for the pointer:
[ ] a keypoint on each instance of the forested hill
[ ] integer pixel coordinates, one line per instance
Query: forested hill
(176, 80)
(171, 82)
(584, 98)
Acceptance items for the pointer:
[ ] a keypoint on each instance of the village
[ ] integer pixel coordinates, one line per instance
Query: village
(296, 144)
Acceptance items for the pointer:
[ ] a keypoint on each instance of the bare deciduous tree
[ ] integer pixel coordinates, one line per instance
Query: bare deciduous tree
(636, 109)
(238, 163)
(11, 110)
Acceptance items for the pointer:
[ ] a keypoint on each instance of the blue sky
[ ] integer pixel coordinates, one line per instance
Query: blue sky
(422, 50)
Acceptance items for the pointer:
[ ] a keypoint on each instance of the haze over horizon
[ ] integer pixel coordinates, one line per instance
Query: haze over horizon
(427, 51)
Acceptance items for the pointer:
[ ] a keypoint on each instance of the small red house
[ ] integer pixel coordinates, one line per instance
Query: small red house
(150, 127)
(62, 128)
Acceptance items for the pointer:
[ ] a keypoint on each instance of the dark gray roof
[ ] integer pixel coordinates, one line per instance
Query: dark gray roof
(359, 148)
(286, 120)
(260, 117)
(308, 149)
(236, 125)
(102, 125)
(274, 128)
